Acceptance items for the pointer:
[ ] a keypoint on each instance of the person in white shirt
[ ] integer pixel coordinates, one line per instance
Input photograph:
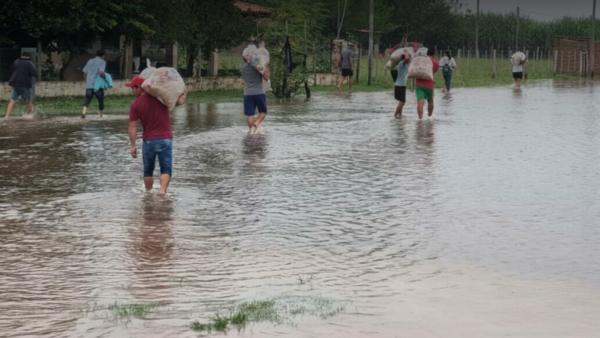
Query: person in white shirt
(518, 68)
(447, 64)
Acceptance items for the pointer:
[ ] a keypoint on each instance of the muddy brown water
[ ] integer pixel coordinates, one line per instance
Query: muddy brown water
(483, 222)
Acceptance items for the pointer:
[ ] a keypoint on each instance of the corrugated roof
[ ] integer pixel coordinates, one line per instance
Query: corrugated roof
(246, 7)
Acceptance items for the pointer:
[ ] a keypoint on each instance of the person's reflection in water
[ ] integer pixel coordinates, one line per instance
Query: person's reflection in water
(424, 133)
(152, 246)
(255, 148)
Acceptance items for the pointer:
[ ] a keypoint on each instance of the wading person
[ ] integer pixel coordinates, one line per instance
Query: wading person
(347, 65)
(400, 84)
(93, 68)
(157, 134)
(424, 88)
(447, 63)
(20, 80)
(518, 60)
(254, 93)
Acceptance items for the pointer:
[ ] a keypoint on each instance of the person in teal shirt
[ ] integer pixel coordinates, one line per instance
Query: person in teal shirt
(400, 85)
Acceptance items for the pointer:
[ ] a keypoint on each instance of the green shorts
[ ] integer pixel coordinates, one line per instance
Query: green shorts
(424, 93)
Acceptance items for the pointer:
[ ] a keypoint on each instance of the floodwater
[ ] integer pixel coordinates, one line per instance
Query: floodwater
(483, 222)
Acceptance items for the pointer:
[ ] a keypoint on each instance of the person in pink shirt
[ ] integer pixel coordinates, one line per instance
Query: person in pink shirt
(424, 88)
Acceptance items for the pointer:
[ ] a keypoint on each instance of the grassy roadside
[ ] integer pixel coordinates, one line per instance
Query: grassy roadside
(71, 105)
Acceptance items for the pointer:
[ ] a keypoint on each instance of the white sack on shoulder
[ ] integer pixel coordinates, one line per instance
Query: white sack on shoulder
(421, 67)
(166, 85)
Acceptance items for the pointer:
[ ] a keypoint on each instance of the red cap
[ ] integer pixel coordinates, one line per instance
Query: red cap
(135, 82)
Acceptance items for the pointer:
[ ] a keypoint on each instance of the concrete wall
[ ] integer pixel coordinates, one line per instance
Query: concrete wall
(77, 88)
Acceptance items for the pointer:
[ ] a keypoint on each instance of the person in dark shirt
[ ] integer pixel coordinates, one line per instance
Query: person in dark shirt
(157, 134)
(22, 70)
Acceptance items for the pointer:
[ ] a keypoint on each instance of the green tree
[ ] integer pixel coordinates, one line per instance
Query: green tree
(69, 26)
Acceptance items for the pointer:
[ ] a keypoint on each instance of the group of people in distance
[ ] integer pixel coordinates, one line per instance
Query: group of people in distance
(424, 89)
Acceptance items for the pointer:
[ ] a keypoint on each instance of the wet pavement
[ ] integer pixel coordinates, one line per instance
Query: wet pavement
(482, 222)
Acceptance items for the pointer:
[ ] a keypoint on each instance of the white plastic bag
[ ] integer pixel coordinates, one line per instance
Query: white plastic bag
(421, 67)
(166, 85)
(518, 58)
(421, 51)
(260, 58)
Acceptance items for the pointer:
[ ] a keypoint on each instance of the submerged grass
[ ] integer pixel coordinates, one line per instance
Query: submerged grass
(276, 311)
(127, 311)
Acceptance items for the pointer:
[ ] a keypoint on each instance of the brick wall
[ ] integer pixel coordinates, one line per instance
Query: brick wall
(570, 52)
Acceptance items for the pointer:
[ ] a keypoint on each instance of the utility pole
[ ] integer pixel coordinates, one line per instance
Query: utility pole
(477, 31)
(593, 42)
(517, 37)
(371, 27)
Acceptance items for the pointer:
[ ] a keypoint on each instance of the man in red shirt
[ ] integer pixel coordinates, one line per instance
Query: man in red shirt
(157, 134)
(424, 88)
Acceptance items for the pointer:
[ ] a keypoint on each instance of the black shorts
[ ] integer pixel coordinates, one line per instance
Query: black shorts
(347, 72)
(518, 75)
(400, 93)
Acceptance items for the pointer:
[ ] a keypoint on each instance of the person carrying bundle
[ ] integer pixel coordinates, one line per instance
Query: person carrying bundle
(423, 68)
(157, 134)
(518, 60)
(254, 71)
(400, 83)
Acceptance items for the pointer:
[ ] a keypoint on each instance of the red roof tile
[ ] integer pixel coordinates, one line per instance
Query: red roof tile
(245, 7)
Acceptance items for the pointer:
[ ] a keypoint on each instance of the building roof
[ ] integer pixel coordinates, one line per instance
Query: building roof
(247, 7)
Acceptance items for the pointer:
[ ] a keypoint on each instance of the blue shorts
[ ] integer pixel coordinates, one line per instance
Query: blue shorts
(161, 148)
(25, 93)
(251, 102)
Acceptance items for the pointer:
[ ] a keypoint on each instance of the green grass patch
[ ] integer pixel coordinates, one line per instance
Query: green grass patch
(126, 311)
(277, 311)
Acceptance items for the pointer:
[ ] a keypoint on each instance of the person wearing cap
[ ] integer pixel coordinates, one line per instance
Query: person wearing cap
(157, 133)
(20, 80)
(92, 69)
(347, 65)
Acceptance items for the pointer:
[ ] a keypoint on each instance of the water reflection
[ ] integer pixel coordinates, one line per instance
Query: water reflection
(152, 244)
(475, 208)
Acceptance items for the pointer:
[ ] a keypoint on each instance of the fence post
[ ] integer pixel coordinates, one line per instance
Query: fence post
(468, 60)
(314, 63)
(458, 63)
(358, 64)
(494, 64)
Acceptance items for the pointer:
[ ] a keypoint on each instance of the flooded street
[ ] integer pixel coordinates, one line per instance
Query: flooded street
(484, 222)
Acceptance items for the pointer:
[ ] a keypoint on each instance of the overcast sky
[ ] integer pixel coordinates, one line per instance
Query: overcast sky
(537, 9)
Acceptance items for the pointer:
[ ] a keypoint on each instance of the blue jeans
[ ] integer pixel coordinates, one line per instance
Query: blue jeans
(90, 93)
(161, 148)
(447, 79)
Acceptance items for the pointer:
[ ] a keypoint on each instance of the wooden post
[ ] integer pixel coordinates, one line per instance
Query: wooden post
(458, 63)
(358, 65)
(593, 43)
(370, 54)
(494, 64)
(468, 60)
(314, 63)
